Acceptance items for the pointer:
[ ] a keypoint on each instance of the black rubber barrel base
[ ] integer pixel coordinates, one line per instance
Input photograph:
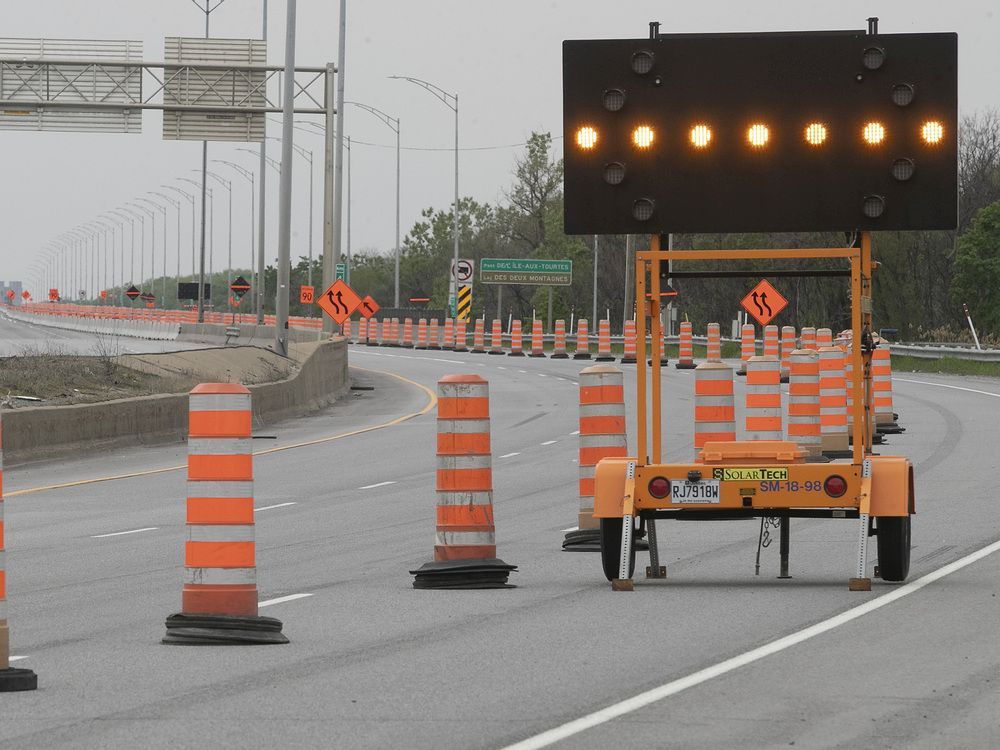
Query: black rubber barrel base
(889, 428)
(559, 355)
(463, 574)
(604, 359)
(515, 354)
(627, 360)
(536, 355)
(582, 540)
(581, 356)
(17, 680)
(222, 630)
(685, 365)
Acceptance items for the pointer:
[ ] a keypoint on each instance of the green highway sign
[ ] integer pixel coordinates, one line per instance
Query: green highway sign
(341, 272)
(526, 271)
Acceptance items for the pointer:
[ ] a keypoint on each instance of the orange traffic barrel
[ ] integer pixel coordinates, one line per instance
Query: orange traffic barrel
(373, 333)
(807, 339)
(421, 334)
(389, 335)
(516, 339)
(537, 343)
(449, 334)
(832, 402)
(713, 349)
(479, 337)
(602, 435)
(628, 343)
(748, 346)
(763, 398)
(433, 341)
(11, 679)
(787, 347)
(461, 337)
(771, 341)
(408, 333)
(465, 551)
(824, 338)
(559, 340)
(496, 337)
(803, 401)
(885, 418)
(363, 329)
(219, 600)
(685, 349)
(582, 340)
(714, 407)
(604, 341)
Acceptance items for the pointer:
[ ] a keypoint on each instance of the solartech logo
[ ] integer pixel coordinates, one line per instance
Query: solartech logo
(762, 474)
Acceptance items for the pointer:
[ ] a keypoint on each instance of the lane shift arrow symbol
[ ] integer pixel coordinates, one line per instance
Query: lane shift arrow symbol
(338, 304)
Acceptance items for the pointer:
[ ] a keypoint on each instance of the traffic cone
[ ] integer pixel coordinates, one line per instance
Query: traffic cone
(516, 339)
(461, 337)
(373, 333)
(628, 343)
(496, 338)
(602, 435)
(713, 347)
(763, 398)
(748, 347)
(832, 402)
(433, 341)
(559, 341)
(807, 339)
(11, 679)
(604, 341)
(479, 337)
(771, 341)
(582, 340)
(824, 338)
(803, 402)
(421, 334)
(219, 602)
(685, 352)
(465, 552)
(885, 418)
(449, 334)
(537, 345)
(714, 407)
(407, 333)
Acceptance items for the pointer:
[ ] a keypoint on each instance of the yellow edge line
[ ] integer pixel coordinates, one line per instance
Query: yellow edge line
(431, 403)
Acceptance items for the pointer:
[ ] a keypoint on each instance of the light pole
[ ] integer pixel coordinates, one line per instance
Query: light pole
(247, 174)
(190, 199)
(176, 203)
(450, 101)
(393, 124)
(163, 284)
(308, 156)
(228, 185)
(131, 221)
(152, 245)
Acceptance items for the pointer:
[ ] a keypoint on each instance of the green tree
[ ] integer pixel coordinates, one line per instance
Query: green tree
(977, 268)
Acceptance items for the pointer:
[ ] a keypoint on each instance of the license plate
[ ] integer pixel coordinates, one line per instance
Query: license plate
(702, 491)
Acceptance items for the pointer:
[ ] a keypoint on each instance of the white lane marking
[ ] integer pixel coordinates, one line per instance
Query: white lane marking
(541, 375)
(550, 442)
(953, 387)
(122, 533)
(524, 372)
(617, 710)
(575, 432)
(510, 455)
(450, 361)
(281, 599)
(501, 368)
(571, 528)
(373, 486)
(17, 658)
(272, 507)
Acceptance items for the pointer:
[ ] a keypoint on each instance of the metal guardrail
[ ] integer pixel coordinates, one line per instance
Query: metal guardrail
(937, 351)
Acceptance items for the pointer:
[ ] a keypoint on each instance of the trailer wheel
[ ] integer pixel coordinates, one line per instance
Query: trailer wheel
(611, 548)
(893, 547)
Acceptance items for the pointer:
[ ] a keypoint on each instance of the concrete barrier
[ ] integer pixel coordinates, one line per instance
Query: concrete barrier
(47, 432)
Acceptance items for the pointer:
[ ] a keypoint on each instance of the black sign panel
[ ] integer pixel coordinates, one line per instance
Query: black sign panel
(132, 293)
(239, 287)
(189, 290)
(761, 132)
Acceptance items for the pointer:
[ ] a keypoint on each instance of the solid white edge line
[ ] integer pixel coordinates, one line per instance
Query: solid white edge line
(642, 700)
(16, 658)
(123, 533)
(571, 528)
(373, 486)
(943, 385)
(282, 599)
(272, 507)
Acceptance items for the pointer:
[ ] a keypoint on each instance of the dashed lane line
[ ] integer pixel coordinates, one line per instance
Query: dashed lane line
(550, 442)
(282, 599)
(272, 507)
(431, 403)
(377, 484)
(637, 702)
(123, 533)
(510, 455)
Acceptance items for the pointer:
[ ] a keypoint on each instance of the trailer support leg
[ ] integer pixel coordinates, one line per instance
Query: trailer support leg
(783, 547)
(654, 570)
(624, 580)
(862, 582)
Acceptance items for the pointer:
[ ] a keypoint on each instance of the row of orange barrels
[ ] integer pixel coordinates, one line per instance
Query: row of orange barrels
(110, 312)
(518, 340)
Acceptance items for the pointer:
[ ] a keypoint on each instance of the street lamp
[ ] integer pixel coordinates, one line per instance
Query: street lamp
(190, 198)
(393, 124)
(122, 214)
(142, 242)
(228, 185)
(247, 174)
(176, 203)
(450, 101)
(163, 284)
(308, 156)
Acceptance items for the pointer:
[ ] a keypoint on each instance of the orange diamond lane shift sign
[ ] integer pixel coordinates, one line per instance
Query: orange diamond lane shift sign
(764, 303)
(339, 301)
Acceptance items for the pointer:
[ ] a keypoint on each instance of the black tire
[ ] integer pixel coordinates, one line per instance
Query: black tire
(893, 547)
(611, 548)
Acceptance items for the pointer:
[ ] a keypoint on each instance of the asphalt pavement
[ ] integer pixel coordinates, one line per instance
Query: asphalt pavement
(345, 504)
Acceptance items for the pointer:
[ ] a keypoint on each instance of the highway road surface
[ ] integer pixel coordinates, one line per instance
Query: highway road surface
(711, 657)
(17, 338)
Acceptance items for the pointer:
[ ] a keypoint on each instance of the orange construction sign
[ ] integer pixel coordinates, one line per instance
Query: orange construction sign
(368, 307)
(10, 294)
(306, 294)
(764, 302)
(339, 301)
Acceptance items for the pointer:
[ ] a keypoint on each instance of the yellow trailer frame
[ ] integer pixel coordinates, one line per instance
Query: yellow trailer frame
(756, 479)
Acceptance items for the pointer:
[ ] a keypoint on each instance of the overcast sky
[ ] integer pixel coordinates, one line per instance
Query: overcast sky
(502, 58)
